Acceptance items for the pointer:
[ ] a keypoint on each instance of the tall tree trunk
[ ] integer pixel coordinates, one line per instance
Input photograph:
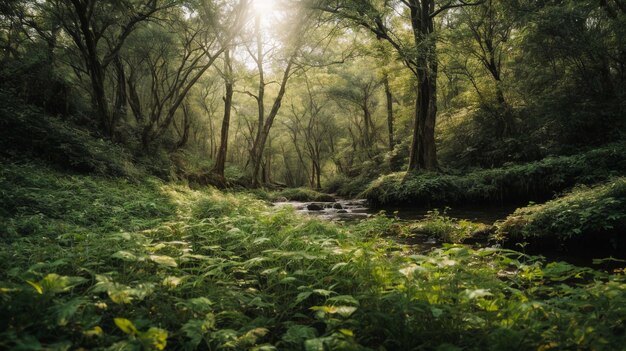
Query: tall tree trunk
(184, 133)
(119, 111)
(389, 98)
(220, 162)
(259, 143)
(318, 175)
(367, 119)
(423, 152)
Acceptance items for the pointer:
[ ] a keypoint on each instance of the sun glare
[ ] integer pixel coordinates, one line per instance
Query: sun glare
(264, 7)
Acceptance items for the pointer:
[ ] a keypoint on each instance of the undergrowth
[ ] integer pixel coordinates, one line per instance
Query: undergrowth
(536, 181)
(28, 132)
(585, 220)
(294, 194)
(439, 225)
(188, 269)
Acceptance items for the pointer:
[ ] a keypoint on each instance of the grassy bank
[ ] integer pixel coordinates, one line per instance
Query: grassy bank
(588, 221)
(101, 263)
(517, 184)
(293, 194)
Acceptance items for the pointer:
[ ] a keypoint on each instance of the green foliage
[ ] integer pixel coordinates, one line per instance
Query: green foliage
(27, 132)
(38, 201)
(445, 228)
(586, 220)
(226, 272)
(534, 181)
(303, 194)
(347, 186)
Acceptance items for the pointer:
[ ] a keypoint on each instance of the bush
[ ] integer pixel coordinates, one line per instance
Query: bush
(26, 132)
(586, 220)
(345, 186)
(446, 229)
(516, 184)
(35, 199)
(303, 194)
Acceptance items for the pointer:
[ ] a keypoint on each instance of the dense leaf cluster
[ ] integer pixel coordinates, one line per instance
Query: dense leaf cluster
(175, 268)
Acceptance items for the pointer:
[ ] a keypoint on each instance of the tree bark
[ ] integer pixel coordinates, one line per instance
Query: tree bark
(220, 162)
(389, 98)
(259, 143)
(423, 152)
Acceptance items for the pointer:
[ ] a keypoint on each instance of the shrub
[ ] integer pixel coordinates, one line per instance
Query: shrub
(303, 194)
(586, 220)
(536, 181)
(26, 132)
(446, 229)
(34, 198)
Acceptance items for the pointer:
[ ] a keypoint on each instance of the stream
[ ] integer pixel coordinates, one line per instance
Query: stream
(354, 210)
(350, 211)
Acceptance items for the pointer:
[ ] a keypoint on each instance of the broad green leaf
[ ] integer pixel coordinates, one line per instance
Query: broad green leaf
(94, 332)
(200, 304)
(172, 281)
(315, 344)
(346, 332)
(477, 293)
(303, 296)
(65, 311)
(164, 260)
(36, 286)
(344, 311)
(343, 300)
(126, 326)
(437, 312)
(322, 292)
(154, 339)
(196, 329)
(296, 334)
(127, 256)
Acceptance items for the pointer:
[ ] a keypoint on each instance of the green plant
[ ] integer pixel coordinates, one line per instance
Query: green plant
(536, 181)
(207, 269)
(582, 220)
(444, 228)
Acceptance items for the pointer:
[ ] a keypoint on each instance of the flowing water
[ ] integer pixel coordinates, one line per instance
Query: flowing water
(354, 210)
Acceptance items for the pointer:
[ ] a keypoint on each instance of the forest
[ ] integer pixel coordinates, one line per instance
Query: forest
(313, 175)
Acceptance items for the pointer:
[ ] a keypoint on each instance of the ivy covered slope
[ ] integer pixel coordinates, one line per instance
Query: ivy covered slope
(99, 263)
(517, 184)
(587, 220)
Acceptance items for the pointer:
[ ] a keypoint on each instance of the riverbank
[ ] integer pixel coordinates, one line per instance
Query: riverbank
(514, 185)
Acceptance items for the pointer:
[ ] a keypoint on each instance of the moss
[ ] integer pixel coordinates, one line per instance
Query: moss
(537, 181)
(303, 194)
(586, 220)
(442, 227)
(35, 196)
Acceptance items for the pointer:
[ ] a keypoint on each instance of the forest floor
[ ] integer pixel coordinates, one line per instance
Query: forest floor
(99, 263)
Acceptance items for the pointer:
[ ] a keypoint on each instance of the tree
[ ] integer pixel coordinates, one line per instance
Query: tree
(227, 74)
(482, 33)
(419, 54)
(359, 90)
(99, 30)
(266, 121)
(174, 64)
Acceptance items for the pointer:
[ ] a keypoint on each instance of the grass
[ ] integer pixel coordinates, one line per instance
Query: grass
(294, 194)
(537, 181)
(585, 220)
(153, 265)
(446, 229)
